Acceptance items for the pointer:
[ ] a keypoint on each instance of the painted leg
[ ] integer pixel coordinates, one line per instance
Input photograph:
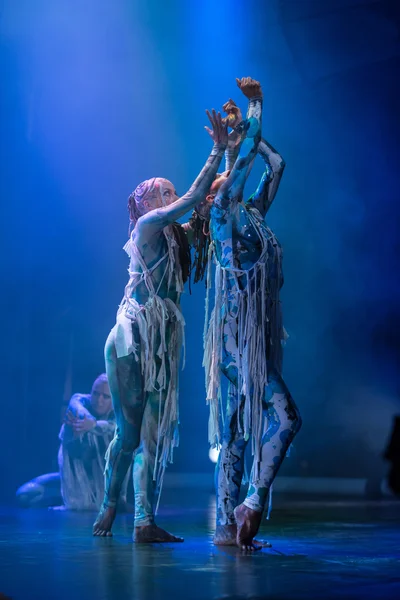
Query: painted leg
(126, 386)
(228, 478)
(230, 465)
(282, 421)
(146, 531)
(229, 474)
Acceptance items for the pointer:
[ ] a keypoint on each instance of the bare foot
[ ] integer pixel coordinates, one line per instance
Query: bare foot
(225, 535)
(151, 534)
(103, 523)
(248, 523)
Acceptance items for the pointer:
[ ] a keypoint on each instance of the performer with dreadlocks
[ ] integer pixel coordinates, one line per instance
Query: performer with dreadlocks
(143, 349)
(245, 332)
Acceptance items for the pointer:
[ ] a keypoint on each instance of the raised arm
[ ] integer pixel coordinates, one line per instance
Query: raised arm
(231, 190)
(234, 120)
(274, 163)
(157, 219)
(270, 180)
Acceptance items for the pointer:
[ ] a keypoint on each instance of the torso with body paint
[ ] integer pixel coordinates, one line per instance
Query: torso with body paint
(153, 250)
(249, 239)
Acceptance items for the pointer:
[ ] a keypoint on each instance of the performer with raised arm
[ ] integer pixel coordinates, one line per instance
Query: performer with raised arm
(245, 331)
(143, 349)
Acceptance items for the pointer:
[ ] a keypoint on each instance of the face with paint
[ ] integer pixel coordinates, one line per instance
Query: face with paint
(162, 193)
(149, 195)
(100, 397)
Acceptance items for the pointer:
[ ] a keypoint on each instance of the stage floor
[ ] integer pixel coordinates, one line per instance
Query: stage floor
(342, 549)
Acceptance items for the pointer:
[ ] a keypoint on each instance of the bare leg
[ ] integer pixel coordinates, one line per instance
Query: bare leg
(126, 386)
(44, 490)
(146, 531)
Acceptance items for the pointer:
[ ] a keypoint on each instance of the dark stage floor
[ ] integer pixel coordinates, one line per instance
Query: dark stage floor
(320, 550)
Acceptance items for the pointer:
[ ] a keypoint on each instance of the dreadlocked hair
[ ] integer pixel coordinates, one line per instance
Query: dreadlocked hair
(134, 212)
(185, 258)
(201, 243)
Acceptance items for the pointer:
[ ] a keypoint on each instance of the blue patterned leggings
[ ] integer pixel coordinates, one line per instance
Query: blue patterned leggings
(281, 422)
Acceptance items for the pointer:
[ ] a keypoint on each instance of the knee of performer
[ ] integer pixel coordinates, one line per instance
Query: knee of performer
(29, 494)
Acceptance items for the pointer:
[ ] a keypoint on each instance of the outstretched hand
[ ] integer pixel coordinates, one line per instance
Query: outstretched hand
(234, 114)
(79, 425)
(84, 425)
(250, 87)
(219, 131)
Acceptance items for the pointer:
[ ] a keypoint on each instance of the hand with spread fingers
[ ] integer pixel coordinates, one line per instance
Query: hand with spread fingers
(219, 131)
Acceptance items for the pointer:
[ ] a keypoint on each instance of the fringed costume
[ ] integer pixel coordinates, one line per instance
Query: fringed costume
(244, 335)
(143, 350)
(79, 484)
(81, 459)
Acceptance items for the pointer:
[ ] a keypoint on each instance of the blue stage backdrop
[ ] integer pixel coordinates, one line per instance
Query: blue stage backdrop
(98, 96)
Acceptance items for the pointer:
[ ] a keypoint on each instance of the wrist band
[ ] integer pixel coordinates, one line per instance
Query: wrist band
(256, 99)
